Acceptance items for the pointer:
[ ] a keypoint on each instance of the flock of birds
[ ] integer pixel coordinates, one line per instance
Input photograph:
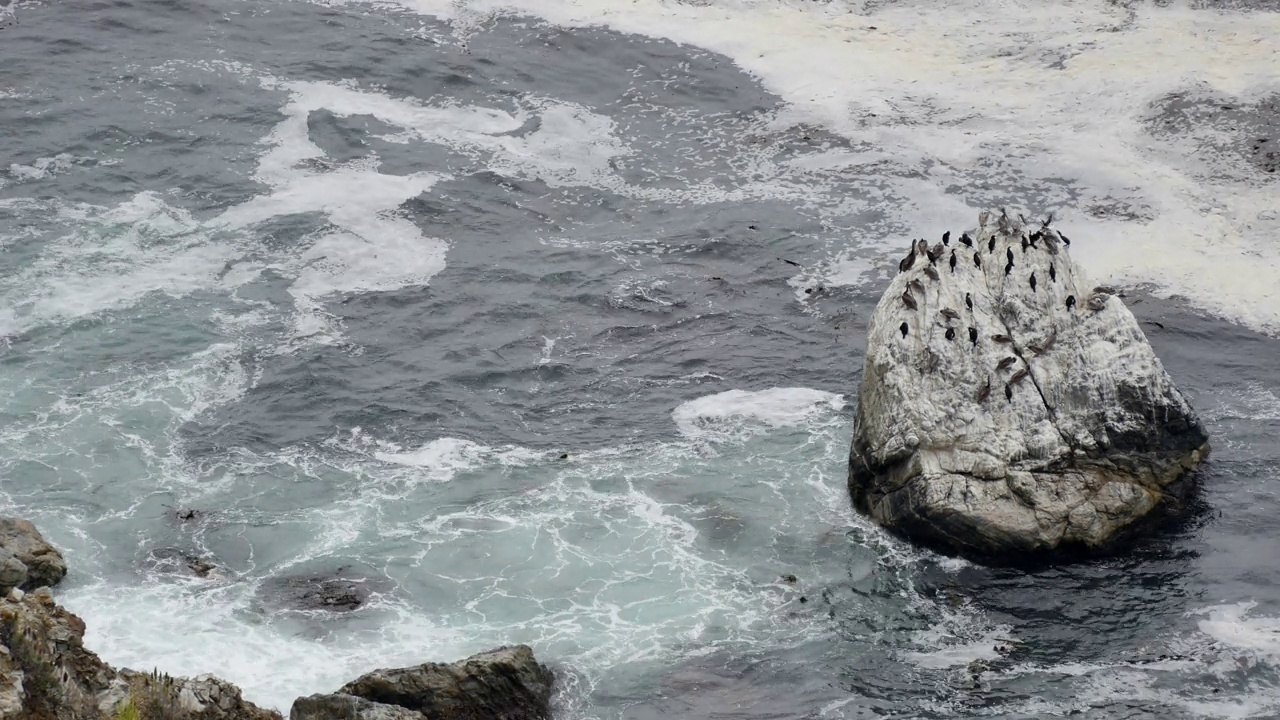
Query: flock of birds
(1043, 239)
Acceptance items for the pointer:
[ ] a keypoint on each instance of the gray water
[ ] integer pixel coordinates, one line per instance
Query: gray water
(484, 322)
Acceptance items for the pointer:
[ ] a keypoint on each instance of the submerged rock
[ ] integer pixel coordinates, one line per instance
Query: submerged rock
(344, 590)
(1009, 410)
(503, 684)
(44, 564)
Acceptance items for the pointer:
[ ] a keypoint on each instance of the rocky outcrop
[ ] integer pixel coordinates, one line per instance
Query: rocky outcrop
(46, 673)
(27, 561)
(1011, 411)
(502, 684)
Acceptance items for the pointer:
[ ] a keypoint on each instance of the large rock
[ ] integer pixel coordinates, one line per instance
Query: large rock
(502, 684)
(1014, 422)
(46, 673)
(45, 566)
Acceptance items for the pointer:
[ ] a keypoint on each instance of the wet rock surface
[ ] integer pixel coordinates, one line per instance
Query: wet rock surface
(44, 564)
(342, 590)
(1011, 411)
(503, 684)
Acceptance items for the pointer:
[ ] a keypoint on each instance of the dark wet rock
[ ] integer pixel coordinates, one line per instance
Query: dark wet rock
(45, 566)
(46, 672)
(181, 562)
(503, 684)
(340, 706)
(13, 572)
(344, 590)
(1074, 447)
(187, 515)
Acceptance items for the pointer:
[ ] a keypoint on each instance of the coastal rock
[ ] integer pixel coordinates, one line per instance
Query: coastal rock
(13, 572)
(1009, 410)
(507, 683)
(45, 566)
(46, 673)
(342, 590)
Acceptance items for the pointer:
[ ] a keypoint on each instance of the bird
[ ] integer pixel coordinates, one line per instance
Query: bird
(922, 247)
(952, 262)
(973, 336)
(1097, 301)
(946, 238)
(790, 262)
(949, 314)
(991, 245)
(1065, 241)
(1071, 301)
(1018, 376)
(916, 285)
(1008, 268)
(1002, 339)
(931, 255)
(907, 262)
(903, 328)
(968, 301)
(937, 249)
(983, 217)
(1008, 392)
(1033, 281)
(1008, 253)
(1024, 243)
(1053, 274)
(1048, 343)
(907, 300)
(1006, 362)
(966, 240)
(985, 391)
(931, 272)
(1033, 238)
(977, 260)
(1035, 348)
(951, 333)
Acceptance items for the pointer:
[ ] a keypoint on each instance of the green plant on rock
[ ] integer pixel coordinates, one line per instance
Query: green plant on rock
(127, 710)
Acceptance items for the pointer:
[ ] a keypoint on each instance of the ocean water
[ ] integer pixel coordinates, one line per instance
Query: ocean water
(542, 322)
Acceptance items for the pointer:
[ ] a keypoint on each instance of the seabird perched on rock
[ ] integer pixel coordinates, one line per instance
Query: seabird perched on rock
(937, 249)
(949, 314)
(985, 391)
(977, 260)
(922, 247)
(966, 240)
(968, 301)
(1008, 268)
(931, 255)
(973, 336)
(1035, 348)
(1008, 392)
(1024, 243)
(928, 270)
(1003, 339)
(952, 262)
(1018, 376)
(951, 333)
(1033, 281)
(903, 328)
(907, 262)
(1004, 221)
(1006, 362)
(1008, 253)
(1053, 274)
(946, 238)
(916, 285)
(1071, 301)
(907, 300)
(1065, 241)
(1097, 301)
(991, 245)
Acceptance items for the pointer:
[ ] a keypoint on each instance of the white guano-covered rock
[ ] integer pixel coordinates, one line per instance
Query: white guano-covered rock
(1015, 421)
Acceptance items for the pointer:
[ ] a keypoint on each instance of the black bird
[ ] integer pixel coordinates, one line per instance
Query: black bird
(1033, 281)
(903, 328)
(1008, 253)
(1053, 274)
(991, 245)
(790, 262)
(951, 333)
(1024, 243)
(932, 258)
(1071, 301)
(1008, 393)
(966, 240)
(977, 260)
(1065, 241)
(968, 301)
(946, 238)
(952, 262)
(973, 336)
(1008, 268)
(1035, 237)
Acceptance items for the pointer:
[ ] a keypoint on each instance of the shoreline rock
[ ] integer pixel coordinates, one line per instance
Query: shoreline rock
(46, 673)
(1009, 411)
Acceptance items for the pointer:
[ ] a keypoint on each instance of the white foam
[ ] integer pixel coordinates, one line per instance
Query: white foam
(1060, 91)
(444, 458)
(1235, 626)
(706, 417)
